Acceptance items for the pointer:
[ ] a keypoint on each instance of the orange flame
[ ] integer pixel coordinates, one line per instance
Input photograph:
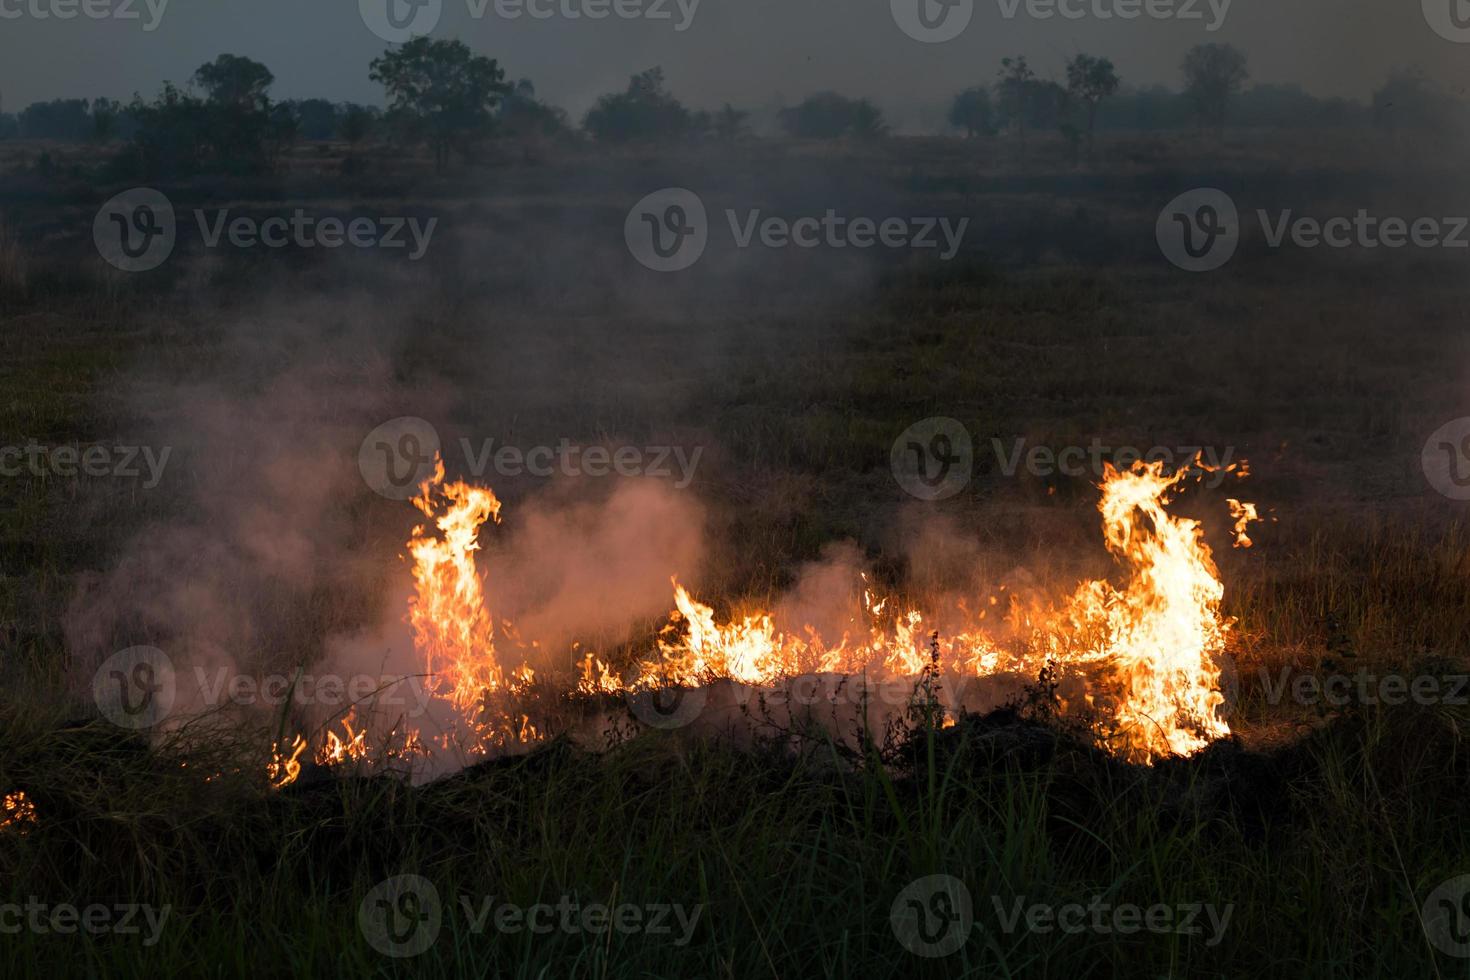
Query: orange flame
(452, 628)
(284, 769)
(17, 812)
(1149, 649)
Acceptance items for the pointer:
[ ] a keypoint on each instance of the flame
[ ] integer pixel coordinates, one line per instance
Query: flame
(1158, 638)
(17, 812)
(452, 628)
(1148, 649)
(284, 769)
(337, 749)
(1243, 514)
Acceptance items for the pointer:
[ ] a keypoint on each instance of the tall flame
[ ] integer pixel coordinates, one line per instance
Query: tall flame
(451, 625)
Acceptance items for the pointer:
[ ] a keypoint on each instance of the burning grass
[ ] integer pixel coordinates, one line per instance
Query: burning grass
(265, 837)
(1146, 656)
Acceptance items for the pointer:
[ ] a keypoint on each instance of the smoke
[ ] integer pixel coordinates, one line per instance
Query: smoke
(575, 569)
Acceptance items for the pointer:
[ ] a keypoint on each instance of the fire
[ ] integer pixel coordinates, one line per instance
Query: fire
(1243, 513)
(1147, 649)
(452, 628)
(283, 769)
(17, 812)
(1158, 639)
(348, 747)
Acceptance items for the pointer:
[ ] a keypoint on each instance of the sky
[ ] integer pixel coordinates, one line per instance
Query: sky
(746, 52)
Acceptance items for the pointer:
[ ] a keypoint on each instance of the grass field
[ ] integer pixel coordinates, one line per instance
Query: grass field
(1316, 836)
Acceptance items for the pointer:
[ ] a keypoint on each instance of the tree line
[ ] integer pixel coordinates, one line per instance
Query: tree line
(442, 95)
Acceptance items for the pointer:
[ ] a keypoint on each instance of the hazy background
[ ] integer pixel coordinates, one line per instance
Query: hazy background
(748, 52)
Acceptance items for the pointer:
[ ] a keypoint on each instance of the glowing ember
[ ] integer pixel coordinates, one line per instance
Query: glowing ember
(17, 812)
(1243, 514)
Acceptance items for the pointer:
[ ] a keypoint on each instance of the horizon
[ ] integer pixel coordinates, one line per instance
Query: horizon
(717, 54)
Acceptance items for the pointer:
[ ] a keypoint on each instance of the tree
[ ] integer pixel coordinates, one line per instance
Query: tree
(1015, 90)
(441, 92)
(1089, 81)
(1408, 100)
(59, 119)
(106, 114)
(357, 123)
(319, 119)
(973, 112)
(730, 124)
(867, 121)
(645, 111)
(179, 133)
(235, 81)
(524, 116)
(1213, 74)
(827, 115)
